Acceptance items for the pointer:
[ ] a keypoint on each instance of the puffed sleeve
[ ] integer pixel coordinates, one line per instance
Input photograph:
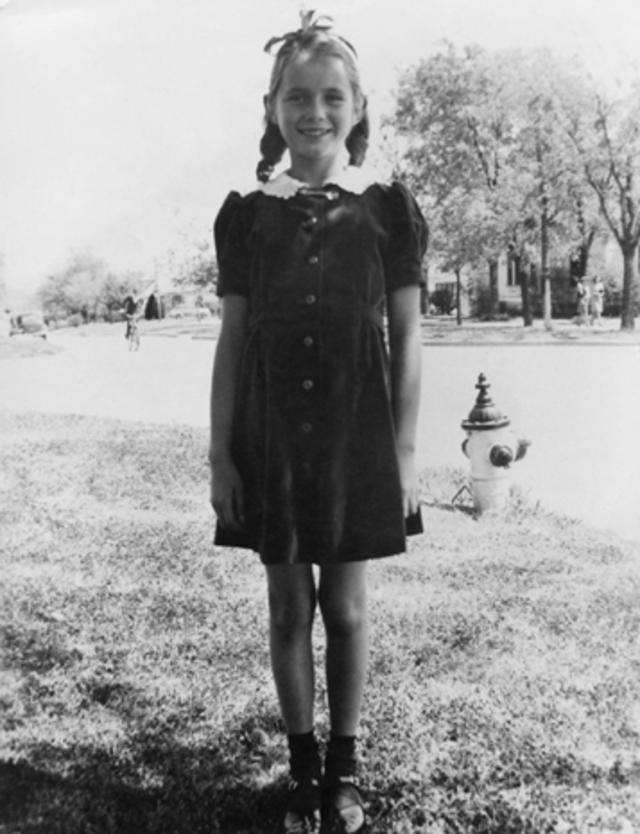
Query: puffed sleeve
(231, 231)
(407, 241)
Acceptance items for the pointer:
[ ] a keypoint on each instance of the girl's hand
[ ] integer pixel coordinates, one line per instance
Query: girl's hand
(227, 495)
(408, 483)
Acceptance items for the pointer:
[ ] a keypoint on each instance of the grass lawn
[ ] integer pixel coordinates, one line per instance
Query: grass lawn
(136, 693)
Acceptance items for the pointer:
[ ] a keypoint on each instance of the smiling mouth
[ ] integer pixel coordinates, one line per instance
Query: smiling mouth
(315, 132)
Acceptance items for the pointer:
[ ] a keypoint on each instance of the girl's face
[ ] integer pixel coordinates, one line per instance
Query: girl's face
(315, 109)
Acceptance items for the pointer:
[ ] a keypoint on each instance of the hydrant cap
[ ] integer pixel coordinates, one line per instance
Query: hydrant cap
(484, 414)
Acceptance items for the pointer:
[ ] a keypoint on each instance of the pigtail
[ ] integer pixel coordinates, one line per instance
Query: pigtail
(358, 140)
(272, 148)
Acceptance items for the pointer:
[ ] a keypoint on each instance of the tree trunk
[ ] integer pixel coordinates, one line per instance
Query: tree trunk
(458, 296)
(587, 236)
(523, 280)
(493, 288)
(544, 267)
(585, 249)
(627, 321)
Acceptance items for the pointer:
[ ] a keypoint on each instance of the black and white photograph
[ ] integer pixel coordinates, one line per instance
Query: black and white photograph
(319, 409)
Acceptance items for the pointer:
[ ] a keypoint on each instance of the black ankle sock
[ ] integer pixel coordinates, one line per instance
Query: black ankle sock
(341, 761)
(304, 757)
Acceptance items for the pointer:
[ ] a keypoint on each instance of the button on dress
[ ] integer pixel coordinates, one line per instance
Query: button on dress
(313, 434)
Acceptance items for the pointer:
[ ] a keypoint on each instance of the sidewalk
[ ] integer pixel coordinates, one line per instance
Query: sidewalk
(445, 330)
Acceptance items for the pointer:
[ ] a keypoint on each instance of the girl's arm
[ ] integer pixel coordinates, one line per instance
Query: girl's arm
(226, 487)
(406, 373)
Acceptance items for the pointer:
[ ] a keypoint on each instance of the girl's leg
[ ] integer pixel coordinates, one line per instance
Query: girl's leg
(343, 603)
(292, 601)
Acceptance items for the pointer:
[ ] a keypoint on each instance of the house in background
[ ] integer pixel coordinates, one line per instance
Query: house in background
(604, 259)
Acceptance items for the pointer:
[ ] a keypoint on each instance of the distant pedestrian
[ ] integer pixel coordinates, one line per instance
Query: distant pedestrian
(582, 293)
(597, 300)
(313, 423)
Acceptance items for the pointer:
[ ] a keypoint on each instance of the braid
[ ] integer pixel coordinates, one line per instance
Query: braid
(272, 148)
(358, 140)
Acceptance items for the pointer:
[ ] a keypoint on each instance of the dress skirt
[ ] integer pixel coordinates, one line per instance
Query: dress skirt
(313, 432)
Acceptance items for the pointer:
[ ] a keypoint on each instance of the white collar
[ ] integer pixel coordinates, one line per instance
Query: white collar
(352, 179)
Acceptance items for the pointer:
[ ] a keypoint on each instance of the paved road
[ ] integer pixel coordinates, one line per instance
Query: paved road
(580, 406)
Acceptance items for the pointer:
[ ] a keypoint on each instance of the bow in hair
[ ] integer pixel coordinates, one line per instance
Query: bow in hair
(309, 23)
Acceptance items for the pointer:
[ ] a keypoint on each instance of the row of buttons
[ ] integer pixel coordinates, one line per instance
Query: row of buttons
(307, 384)
(308, 341)
(311, 298)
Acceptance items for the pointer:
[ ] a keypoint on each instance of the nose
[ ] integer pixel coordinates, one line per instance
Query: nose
(316, 109)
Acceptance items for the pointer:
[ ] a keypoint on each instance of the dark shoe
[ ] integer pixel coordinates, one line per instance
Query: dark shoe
(342, 808)
(303, 807)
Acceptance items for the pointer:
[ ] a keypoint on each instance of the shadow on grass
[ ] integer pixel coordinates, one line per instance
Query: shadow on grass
(173, 789)
(160, 786)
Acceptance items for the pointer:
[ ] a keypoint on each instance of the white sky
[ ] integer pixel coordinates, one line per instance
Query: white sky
(123, 123)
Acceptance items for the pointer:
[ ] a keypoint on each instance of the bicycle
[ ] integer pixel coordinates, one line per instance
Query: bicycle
(133, 333)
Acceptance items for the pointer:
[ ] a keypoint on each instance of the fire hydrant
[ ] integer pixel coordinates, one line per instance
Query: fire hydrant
(491, 446)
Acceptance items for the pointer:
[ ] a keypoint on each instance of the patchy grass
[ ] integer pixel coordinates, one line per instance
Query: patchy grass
(136, 693)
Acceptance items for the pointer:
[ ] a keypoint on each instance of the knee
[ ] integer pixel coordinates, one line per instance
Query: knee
(290, 617)
(344, 616)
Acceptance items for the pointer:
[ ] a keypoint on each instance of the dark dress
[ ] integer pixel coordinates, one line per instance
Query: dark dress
(313, 435)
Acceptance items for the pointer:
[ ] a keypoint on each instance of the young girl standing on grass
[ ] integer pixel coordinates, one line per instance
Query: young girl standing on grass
(313, 422)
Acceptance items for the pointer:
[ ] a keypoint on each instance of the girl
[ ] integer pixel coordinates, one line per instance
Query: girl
(312, 422)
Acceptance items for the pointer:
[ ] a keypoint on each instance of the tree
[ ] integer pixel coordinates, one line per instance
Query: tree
(85, 286)
(605, 135)
(458, 118)
(458, 233)
(200, 269)
(115, 288)
(521, 135)
(585, 222)
(194, 265)
(549, 170)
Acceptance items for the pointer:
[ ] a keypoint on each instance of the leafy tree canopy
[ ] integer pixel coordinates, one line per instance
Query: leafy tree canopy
(517, 150)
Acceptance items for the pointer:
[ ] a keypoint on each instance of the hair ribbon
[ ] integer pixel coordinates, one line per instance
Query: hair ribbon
(309, 24)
